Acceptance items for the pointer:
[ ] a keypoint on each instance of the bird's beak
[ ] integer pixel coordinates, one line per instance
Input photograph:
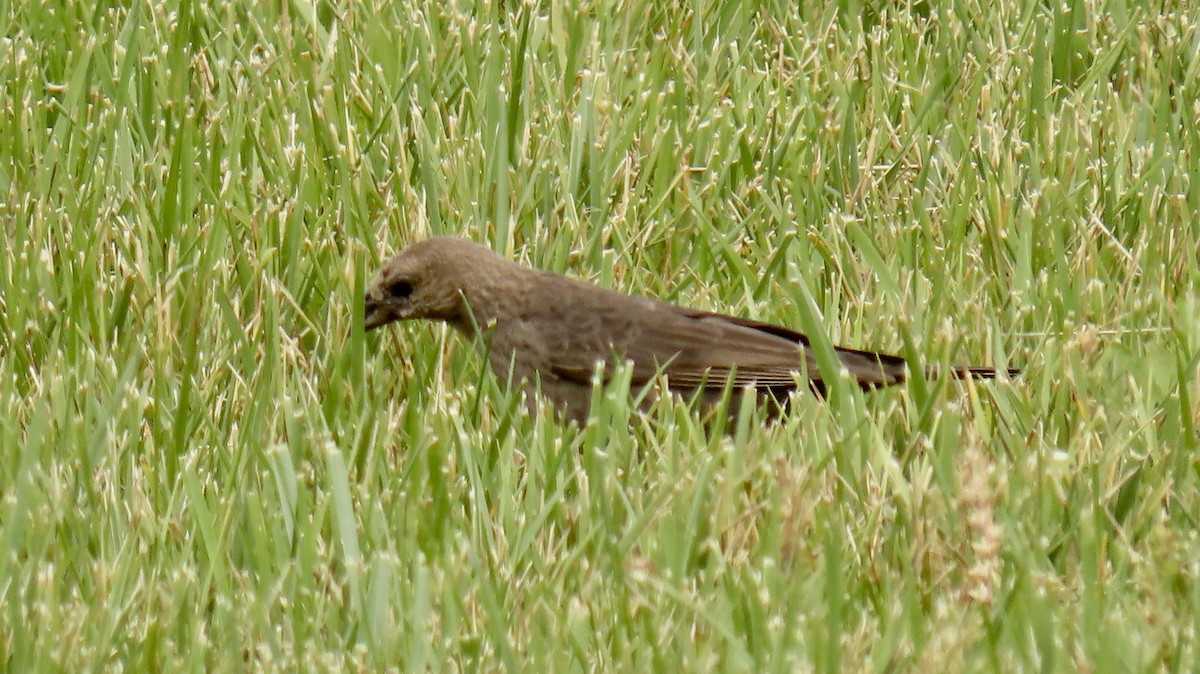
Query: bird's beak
(376, 314)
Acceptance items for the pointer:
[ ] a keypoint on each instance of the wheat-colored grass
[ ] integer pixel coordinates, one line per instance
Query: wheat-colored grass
(207, 466)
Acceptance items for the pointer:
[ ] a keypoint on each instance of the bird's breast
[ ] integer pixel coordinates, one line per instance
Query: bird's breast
(517, 347)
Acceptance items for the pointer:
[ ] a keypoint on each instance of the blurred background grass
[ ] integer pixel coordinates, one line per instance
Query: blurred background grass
(207, 466)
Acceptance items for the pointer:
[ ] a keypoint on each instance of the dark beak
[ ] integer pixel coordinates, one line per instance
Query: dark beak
(375, 315)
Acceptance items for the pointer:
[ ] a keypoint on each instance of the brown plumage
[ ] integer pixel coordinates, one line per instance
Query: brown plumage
(551, 331)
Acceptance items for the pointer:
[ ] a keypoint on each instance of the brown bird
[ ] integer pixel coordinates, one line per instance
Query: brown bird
(551, 332)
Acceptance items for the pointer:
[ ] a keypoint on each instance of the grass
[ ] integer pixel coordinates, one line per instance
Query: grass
(207, 466)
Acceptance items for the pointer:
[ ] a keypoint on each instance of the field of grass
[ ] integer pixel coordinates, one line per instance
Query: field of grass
(205, 465)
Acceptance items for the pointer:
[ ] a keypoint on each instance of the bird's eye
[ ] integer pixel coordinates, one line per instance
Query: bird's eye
(401, 288)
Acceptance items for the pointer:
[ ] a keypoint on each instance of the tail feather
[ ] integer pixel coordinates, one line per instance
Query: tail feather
(972, 372)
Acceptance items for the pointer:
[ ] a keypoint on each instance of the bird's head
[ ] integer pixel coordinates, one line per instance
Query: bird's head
(438, 278)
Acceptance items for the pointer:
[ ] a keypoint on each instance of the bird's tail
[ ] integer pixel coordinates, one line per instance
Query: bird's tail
(971, 372)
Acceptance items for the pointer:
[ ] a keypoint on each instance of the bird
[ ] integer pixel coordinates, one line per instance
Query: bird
(555, 334)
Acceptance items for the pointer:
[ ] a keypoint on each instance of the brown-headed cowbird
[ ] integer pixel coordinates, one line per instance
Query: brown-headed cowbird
(550, 332)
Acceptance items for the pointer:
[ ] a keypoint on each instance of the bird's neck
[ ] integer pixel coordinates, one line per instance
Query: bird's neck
(492, 298)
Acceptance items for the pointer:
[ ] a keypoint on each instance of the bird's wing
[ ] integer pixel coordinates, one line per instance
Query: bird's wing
(869, 368)
(693, 349)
